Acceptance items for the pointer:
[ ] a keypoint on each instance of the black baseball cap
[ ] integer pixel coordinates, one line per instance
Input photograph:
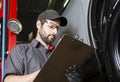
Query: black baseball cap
(51, 15)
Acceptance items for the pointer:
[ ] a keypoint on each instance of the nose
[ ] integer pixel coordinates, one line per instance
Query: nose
(55, 31)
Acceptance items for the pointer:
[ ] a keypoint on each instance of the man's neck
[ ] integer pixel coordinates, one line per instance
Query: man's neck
(42, 42)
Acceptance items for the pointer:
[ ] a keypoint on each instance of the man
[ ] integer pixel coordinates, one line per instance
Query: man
(26, 60)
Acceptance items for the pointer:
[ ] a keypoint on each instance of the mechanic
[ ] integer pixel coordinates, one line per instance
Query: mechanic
(25, 60)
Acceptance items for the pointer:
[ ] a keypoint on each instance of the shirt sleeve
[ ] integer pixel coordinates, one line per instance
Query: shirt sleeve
(14, 63)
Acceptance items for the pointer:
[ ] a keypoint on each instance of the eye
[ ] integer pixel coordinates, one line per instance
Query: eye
(51, 26)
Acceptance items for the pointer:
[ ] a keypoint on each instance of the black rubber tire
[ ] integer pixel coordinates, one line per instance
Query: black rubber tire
(107, 36)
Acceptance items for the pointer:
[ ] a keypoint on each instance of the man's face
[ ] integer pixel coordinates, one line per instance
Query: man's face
(49, 30)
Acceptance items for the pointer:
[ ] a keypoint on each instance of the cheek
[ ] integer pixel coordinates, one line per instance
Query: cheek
(47, 31)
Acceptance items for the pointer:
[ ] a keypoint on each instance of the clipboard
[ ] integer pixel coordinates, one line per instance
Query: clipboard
(69, 51)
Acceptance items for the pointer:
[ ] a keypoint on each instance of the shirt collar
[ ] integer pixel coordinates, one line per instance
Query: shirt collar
(35, 43)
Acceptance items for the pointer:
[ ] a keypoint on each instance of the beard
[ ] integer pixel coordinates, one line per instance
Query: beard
(46, 39)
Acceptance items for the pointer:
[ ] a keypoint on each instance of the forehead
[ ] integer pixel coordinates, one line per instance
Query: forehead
(56, 22)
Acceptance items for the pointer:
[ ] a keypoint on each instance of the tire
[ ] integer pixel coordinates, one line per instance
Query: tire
(104, 31)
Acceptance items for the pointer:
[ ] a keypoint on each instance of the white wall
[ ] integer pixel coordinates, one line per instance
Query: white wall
(76, 13)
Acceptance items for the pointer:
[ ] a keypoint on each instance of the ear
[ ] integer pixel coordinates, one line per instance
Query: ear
(38, 24)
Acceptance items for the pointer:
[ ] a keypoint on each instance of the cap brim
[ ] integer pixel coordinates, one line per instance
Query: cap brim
(63, 20)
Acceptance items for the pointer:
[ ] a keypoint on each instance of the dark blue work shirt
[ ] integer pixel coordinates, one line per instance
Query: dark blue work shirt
(26, 58)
